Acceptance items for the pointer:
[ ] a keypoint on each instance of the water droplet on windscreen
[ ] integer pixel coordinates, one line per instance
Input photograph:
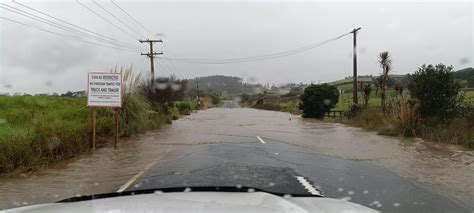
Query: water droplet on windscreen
(286, 196)
(396, 204)
(340, 189)
(350, 192)
(187, 189)
(276, 153)
(345, 198)
(175, 86)
(77, 195)
(158, 192)
(251, 190)
(161, 86)
(365, 192)
(239, 186)
(96, 184)
(271, 184)
(24, 203)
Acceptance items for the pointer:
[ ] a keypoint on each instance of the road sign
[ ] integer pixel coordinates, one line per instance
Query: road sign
(104, 89)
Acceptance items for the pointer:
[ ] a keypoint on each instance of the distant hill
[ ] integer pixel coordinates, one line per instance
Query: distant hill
(466, 76)
(222, 84)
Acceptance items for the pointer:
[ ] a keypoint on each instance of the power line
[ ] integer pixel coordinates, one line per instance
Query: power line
(58, 34)
(54, 24)
(131, 17)
(111, 14)
(103, 18)
(167, 66)
(257, 58)
(172, 55)
(89, 31)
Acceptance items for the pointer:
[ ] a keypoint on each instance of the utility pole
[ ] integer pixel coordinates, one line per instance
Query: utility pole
(197, 88)
(151, 55)
(354, 82)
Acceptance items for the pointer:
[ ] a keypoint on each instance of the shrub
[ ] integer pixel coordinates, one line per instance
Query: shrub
(438, 93)
(318, 99)
(403, 116)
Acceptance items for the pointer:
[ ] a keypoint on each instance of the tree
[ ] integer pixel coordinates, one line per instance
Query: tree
(385, 62)
(437, 91)
(318, 99)
(366, 88)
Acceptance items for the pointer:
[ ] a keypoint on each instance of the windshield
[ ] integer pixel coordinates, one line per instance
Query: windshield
(365, 102)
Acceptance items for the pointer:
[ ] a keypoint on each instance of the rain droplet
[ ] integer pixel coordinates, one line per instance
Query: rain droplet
(396, 204)
(251, 190)
(96, 184)
(271, 184)
(365, 192)
(56, 196)
(287, 196)
(276, 153)
(340, 189)
(187, 189)
(345, 198)
(350, 192)
(24, 203)
(77, 195)
(239, 186)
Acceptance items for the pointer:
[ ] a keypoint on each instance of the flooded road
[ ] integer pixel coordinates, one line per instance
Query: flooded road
(444, 170)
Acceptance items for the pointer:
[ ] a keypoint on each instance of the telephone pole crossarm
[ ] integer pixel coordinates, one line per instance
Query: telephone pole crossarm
(151, 55)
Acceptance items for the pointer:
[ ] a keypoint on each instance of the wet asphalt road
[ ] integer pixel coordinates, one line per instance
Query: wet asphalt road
(272, 164)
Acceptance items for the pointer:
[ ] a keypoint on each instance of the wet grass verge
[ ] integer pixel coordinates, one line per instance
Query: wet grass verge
(38, 130)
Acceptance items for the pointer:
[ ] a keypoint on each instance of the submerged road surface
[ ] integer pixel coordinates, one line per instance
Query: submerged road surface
(242, 147)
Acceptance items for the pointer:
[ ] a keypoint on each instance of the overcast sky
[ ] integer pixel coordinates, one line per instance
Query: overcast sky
(35, 61)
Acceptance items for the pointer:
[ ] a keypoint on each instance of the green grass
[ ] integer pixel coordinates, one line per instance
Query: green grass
(349, 81)
(37, 130)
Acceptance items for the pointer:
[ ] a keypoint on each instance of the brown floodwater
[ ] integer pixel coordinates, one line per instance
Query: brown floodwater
(445, 169)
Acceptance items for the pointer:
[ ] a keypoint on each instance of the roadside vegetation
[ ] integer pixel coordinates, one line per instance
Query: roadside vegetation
(434, 103)
(37, 130)
(434, 108)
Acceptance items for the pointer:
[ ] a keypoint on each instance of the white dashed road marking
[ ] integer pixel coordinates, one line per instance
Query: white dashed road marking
(260, 139)
(307, 185)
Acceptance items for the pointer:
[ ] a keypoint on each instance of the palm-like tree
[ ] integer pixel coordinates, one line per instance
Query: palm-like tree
(385, 62)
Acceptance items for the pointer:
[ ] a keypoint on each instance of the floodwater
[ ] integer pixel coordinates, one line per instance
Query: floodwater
(445, 169)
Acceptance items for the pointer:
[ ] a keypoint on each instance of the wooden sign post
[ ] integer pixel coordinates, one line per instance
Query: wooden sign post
(104, 90)
(93, 127)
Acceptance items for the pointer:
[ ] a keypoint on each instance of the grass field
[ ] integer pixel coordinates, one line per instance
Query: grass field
(349, 81)
(36, 130)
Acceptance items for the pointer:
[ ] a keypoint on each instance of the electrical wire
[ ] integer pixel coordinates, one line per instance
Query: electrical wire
(106, 20)
(131, 17)
(111, 14)
(62, 27)
(58, 34)
(257, 58)
(70, 24)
